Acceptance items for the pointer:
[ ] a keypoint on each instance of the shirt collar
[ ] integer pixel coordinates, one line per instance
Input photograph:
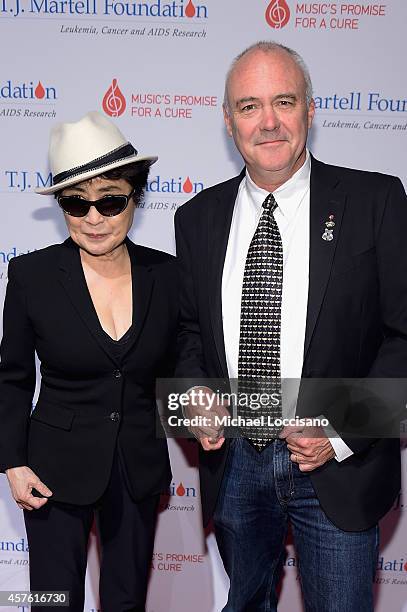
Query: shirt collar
(289, 195)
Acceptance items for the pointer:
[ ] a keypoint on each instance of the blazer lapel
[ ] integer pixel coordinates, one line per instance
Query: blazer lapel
(325, 199)
(142, 286)
(219, 219)
(73, 280)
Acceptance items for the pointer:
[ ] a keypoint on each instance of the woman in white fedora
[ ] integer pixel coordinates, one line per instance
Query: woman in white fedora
(101, 314)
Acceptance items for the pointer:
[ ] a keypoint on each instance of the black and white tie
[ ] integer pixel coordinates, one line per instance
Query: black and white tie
(260, 330)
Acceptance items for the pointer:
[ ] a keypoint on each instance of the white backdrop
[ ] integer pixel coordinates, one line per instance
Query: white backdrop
(158, 67)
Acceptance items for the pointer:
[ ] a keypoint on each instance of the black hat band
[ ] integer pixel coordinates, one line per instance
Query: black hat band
(118, 154)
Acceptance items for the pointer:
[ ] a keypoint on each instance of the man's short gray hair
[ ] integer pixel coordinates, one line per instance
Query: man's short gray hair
(269, 47)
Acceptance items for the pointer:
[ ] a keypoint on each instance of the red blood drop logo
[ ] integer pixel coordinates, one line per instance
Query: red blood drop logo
(190, 9)
(114, 102)
(277, 14)
(39, 91)
(187, 186)
(180, 490)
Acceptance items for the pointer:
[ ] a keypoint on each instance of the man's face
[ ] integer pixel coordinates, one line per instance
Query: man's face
(268, 115)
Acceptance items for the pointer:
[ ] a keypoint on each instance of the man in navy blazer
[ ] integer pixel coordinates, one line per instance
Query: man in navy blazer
(343, 316)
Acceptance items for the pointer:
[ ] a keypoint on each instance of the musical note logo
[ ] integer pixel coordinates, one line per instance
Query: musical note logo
(277, 14)
(114, 102)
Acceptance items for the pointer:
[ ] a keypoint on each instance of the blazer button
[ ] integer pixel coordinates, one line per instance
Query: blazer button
(117, 374)
(115, 416)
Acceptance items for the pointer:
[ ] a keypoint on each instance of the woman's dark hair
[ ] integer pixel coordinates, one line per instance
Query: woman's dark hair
(135, 174)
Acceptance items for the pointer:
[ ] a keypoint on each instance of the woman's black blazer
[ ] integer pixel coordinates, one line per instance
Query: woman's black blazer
(88, 403)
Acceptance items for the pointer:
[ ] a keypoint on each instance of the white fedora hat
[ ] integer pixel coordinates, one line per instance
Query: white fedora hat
(91, 146)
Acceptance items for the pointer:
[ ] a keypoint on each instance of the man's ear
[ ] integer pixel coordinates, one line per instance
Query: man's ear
(311, 112)
(227, 118)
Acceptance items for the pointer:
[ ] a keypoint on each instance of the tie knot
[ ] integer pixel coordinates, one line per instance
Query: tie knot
(270, 203)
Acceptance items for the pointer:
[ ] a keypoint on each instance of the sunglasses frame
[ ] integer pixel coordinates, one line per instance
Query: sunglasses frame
(95, 203)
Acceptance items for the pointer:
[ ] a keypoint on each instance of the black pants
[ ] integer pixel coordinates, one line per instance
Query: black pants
(58, 539)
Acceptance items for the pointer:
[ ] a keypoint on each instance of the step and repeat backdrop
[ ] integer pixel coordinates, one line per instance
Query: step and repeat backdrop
(157, 69)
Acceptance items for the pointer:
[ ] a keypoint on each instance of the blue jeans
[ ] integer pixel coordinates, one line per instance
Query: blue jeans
(260, 493)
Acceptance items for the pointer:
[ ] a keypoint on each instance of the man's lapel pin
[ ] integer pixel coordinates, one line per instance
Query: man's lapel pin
(328, 234)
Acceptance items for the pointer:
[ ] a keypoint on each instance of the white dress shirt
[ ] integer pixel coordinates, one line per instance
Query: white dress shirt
(292, 218)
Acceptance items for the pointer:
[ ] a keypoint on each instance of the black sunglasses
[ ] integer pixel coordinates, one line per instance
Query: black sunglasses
(108, 206)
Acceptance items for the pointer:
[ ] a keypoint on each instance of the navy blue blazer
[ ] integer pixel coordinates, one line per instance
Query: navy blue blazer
(356, 322)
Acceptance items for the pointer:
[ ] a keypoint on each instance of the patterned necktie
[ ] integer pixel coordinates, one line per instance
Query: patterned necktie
(260, 330)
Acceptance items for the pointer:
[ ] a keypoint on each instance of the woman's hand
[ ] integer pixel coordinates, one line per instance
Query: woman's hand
(210, 409)
(22, 481)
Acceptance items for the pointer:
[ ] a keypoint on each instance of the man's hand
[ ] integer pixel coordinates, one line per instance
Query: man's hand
(309, 446)
(22, 481)
(207, 405)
